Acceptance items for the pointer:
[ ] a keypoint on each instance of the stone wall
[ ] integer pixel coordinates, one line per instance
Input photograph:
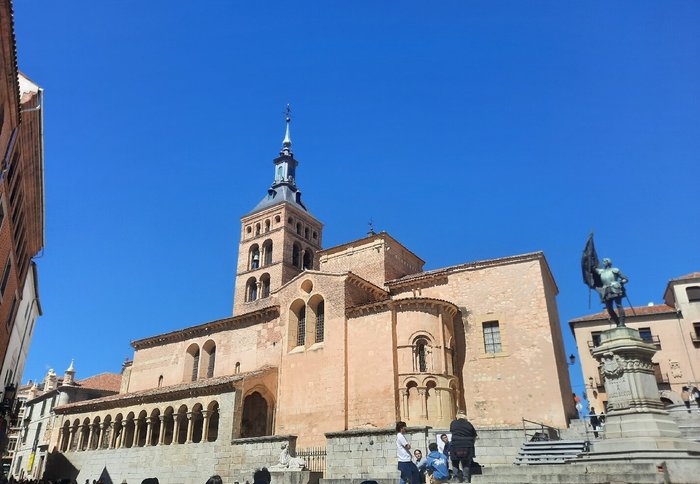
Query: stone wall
(371, 453)
(173, 464)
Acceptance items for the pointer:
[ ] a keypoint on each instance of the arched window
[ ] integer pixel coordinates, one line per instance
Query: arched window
(181, 425)
(251, 290)
(267, 225)
(107, 434)
(267, 252)
(197, 423)
(141, 429)
(210, 357)
(237, 368)
(296, 255)
(192, 363)
(128, 434)
(265, 283)
(301, 327)
(308, 259)
(317, 308)
(254, 262)
(298, 228)
(65, 436)
(297, 324)
(95, 444)
(160, 381)
(693, 293)
(306, 233)
(420, 355)
(257, 229)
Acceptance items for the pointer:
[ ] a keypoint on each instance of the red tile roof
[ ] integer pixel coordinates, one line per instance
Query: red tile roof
(692, 275)
(103, 381)
(638, 311)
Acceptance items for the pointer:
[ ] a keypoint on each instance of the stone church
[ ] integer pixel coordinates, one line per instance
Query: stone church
(326, 340)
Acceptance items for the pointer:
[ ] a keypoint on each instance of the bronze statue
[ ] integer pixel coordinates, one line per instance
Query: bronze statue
(608, 281)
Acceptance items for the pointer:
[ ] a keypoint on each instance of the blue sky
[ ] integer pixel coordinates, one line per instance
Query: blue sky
(467, 130)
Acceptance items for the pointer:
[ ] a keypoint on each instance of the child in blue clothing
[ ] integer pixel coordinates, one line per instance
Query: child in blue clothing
(437, 465)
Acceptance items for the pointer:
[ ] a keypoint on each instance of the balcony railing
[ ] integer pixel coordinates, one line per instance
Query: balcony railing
(652, 340)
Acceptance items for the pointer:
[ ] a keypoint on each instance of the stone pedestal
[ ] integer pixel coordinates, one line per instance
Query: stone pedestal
(636, 424)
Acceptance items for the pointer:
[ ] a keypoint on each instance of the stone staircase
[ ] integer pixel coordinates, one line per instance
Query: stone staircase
(550, 452)
(620, 473)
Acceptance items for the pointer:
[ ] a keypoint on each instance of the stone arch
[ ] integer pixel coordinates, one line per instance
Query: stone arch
(84, 434)
(256, 420)
(65, 436)
(265, 285)
(155, 427)
(118, 435)
(181, 425)
(297, 324)
(141, 428)
(75, 435)
(432, 400)
(267, 252)
(197, 423)
(316, 317)
(308, 262)
(94, 443)
(413, 404)
(209, 349)
(191, 372)
(168, 425)
(107, 433)
(212, 430)
(129, 431)
(254, 257)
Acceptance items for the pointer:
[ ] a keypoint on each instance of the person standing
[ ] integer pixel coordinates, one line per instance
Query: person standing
(408, 470)
(595, 422)
(462, 446)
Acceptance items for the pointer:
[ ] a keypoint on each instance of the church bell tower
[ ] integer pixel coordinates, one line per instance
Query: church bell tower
(279, 237)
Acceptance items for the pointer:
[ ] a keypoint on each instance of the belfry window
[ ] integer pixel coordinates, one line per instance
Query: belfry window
(492, 337)
(296, 255)
(301, 327)
(265, 283)
(308, 259)
(267, 252)
(251, 290)
(254, 257)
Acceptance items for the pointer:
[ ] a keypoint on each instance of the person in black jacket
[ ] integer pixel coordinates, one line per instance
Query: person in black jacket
(462, 446)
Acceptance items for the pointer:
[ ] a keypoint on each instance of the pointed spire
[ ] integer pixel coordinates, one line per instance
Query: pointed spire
(287, 142)
(72, 366)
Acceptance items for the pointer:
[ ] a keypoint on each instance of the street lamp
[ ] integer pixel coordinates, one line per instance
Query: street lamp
(572, 359)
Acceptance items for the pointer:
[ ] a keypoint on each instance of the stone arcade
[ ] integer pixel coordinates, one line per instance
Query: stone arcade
(324, 342)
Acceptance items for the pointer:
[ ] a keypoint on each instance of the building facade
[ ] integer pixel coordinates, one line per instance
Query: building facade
(21, 204)
(37, 415)
(673, 327)
(322, 341)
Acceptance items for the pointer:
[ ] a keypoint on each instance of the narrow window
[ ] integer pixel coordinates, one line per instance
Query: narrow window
(301, 327)
(596, 339)
(265, 286)
(306, 233)
(267, 225)
(10, 315)
(645, 334)
(320, 316)
(212, 362)
(420, 353)
(298, 228)
(43, 407)
(492, 337)
(295, 256)
(693, 293)
(308, 259)
(5, 276)
(237, 367)
(195, 365)
(160, 381)
(255, 257)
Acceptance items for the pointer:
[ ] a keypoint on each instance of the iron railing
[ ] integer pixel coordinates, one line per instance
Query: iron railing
(537, 431)
(315, 458)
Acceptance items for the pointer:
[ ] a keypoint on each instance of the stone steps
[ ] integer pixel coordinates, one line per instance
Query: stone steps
(549, 452)
(573, 473)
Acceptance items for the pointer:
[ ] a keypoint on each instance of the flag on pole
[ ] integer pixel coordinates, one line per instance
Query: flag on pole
(589, 262)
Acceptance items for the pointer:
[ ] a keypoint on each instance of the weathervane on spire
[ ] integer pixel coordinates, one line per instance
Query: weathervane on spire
(287, 142)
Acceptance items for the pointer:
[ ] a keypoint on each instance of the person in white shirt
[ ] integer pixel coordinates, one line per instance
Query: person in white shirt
(407, 468)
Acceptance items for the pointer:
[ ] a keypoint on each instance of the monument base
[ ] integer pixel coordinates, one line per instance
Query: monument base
(295, 476)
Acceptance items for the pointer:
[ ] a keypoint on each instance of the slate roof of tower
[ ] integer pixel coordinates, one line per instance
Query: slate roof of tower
(277, 195)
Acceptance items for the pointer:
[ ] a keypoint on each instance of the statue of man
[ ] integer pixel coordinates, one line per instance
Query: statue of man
(612, 290)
